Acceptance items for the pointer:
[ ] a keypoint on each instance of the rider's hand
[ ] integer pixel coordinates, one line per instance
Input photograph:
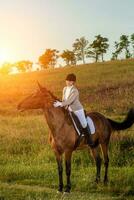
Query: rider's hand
(57, 104)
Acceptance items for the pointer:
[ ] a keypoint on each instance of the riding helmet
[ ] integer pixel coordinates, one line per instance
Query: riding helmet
(71, 77)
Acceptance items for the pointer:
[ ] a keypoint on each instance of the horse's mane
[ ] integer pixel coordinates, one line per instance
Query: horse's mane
(62, 108)
(53, 96)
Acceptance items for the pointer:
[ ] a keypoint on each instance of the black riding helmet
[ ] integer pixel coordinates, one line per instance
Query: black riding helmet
(71, 77)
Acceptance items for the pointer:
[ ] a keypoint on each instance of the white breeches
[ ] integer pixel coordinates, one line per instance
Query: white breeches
(81, 116)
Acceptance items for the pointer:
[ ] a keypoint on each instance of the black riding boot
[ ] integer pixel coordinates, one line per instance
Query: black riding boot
(87, 134)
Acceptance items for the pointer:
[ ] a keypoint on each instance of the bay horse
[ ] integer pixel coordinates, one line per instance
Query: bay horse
(63, 136)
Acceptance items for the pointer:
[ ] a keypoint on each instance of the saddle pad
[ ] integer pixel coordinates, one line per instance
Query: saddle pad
(91, 124)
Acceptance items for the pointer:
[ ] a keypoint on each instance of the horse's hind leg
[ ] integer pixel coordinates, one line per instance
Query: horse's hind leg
(68, 156)
(96, 155)
(106, 161)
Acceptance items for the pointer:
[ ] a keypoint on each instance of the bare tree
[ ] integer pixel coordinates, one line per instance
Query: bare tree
(80, 48)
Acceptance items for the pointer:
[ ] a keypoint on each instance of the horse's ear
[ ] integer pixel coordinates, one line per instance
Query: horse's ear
(39, 85)
(42, 89)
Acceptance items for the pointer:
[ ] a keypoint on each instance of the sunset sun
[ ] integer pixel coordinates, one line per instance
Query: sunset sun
(4, 55)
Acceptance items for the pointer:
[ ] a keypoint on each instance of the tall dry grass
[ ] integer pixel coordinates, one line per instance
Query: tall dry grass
(27, 165)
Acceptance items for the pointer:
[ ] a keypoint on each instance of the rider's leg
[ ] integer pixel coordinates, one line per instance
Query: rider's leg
(81, 116)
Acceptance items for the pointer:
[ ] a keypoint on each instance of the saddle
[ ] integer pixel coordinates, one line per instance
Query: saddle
(76, 123)
(73, 119)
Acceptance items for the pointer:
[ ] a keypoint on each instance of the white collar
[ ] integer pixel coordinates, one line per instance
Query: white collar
(69, 87)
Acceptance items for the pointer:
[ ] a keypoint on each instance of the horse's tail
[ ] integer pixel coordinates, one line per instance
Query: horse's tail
(127, 123)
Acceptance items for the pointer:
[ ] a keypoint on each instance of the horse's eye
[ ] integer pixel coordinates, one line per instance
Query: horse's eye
(33, 95)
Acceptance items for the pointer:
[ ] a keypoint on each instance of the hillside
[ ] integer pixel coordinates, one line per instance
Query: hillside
(27, 163)
(105, 87)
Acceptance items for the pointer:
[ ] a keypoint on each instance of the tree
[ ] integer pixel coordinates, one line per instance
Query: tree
(23, 65)
(103, 46)
(117, 51)
(69, 57)
(81, 48)
(98, 48)
(49, 58)
(93, 51)
(5, 68)
(124, 45)
(132, 42)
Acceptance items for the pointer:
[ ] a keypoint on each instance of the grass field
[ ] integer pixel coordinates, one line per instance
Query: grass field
(27, 165)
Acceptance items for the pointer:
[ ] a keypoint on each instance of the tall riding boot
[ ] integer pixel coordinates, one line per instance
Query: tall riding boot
(87, 134)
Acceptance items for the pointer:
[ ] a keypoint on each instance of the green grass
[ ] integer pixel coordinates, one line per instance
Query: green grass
(28, 169)
(27, 164)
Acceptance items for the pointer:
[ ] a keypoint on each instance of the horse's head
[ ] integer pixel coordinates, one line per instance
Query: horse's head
(42, 98)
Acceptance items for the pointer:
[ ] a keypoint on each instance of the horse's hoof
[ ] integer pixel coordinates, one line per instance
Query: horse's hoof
(97, 180)
(66, 193)
(105, 182)
(59, 192)
(67, 188)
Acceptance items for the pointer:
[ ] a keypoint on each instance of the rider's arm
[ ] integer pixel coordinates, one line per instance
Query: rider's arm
(63, 93)
(71, 98)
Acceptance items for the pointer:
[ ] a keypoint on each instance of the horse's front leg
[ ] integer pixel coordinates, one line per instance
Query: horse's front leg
(68, 156)
(60, 170)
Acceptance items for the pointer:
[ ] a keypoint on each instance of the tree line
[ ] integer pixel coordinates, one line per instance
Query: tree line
(81, 51)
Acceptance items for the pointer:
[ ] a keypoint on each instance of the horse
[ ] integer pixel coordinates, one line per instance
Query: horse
(63, 136)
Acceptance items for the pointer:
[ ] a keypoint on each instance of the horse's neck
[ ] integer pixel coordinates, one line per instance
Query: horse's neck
(55, 119)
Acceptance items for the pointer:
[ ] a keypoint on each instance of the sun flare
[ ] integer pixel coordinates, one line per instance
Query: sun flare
(3, 55)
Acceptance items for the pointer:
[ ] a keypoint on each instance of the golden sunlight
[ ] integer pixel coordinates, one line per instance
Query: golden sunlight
(5, 55)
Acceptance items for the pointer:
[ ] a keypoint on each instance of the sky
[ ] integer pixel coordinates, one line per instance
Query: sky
(28, 27)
